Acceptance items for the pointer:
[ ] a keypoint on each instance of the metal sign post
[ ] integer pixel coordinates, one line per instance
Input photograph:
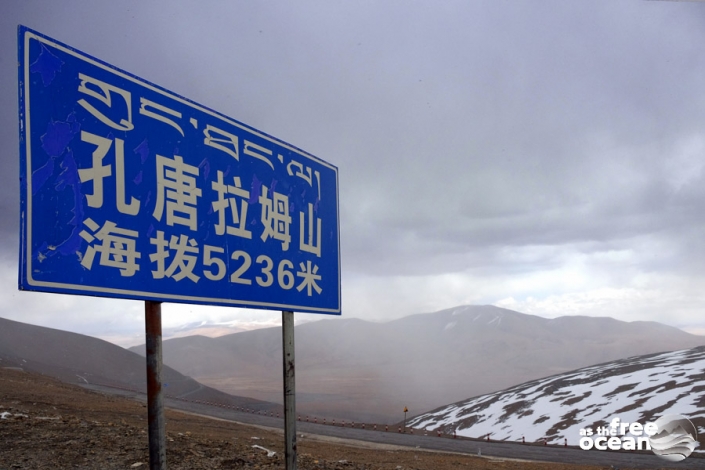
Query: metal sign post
(155, 400)
(289, 390)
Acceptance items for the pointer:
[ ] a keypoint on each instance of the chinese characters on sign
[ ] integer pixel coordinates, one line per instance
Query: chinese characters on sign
(131, 191)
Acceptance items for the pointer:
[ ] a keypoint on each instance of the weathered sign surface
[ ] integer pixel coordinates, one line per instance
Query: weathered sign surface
(129, 190)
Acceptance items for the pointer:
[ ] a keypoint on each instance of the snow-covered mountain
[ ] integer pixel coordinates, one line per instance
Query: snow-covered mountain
(638, 389)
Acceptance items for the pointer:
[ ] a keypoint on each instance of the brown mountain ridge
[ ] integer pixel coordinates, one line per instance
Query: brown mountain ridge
(80, 359)
(359, 370)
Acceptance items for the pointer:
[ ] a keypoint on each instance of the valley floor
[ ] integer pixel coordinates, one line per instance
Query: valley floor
(48, 424)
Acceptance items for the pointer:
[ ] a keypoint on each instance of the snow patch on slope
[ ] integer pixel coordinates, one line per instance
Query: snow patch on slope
(450, 325)
(639, 389)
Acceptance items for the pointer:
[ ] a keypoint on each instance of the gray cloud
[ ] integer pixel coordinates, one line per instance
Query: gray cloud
(476, 139)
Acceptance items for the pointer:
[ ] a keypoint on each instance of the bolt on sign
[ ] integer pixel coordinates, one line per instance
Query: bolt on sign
(129, 190)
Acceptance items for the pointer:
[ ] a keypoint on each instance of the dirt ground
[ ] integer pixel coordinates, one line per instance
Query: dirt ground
(46, 424)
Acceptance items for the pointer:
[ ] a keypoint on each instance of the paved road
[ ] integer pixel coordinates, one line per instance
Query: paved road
(509, 450)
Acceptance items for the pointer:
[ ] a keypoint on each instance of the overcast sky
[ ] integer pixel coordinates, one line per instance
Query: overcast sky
(543, 156)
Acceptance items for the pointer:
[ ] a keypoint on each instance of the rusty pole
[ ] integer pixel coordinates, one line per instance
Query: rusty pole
(289, 390)
(155, 402)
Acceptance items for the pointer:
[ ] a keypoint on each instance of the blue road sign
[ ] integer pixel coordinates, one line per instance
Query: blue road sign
(129, 190)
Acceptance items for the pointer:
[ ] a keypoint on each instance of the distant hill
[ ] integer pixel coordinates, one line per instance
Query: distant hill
(354, 369)
(81, 359)
(638, 389)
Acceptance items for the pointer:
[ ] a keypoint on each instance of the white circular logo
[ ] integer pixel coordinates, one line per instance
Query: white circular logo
(676, 438)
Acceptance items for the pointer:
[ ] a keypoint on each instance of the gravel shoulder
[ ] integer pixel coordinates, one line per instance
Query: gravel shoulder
(47, 424)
